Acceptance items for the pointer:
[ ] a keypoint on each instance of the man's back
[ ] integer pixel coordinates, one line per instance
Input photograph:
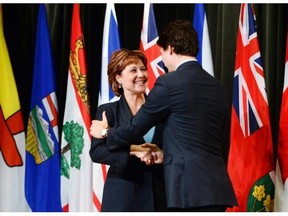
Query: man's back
(194, 118)
(198, 109)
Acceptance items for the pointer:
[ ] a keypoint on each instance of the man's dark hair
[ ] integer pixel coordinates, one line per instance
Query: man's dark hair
(180, 35)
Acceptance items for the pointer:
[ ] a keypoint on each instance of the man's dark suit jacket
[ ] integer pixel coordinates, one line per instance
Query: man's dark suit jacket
(193, 108)
(130, 185)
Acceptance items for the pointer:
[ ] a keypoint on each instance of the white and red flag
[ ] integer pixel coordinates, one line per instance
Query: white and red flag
(281, 189)
(76, 164)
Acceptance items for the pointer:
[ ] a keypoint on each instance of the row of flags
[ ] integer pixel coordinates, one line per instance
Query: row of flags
(39, 175)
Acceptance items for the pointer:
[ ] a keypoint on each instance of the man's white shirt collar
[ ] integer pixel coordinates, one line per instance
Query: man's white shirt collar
(188, 60)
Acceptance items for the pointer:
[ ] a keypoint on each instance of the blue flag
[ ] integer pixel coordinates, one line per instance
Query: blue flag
(42, 177)
(204, 55)
(111, 43)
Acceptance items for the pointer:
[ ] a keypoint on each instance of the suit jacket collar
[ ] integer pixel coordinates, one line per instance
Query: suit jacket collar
(124, 109)
(183, 62)
(189, 63)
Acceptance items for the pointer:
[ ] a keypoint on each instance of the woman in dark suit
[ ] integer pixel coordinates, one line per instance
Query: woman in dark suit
(130, 185)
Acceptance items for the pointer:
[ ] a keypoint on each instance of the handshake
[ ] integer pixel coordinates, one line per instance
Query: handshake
(148, 153)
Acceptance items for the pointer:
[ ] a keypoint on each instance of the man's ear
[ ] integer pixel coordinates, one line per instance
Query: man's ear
(171, 49)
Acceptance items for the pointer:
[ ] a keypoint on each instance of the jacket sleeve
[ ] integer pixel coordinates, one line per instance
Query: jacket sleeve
(155, 110)
(99, 152)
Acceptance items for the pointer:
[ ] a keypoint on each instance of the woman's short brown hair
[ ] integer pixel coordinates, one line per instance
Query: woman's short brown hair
(118, 61)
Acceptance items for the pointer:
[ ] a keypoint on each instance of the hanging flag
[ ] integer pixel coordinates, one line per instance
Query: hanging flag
(250, 162)
(204, 55)
(149, 37)
(12, 137)
(111, 43)
(42, 180)
(281, 189)
(76, 164)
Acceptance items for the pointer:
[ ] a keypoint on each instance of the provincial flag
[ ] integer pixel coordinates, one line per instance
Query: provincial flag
(281, 189)
(149, 37)
(204, 55)
(111, 43)
(76, 164)
(42, 180)
(250, 162)
(12, 137)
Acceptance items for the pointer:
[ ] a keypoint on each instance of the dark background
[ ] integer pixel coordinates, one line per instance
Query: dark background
(20, 27)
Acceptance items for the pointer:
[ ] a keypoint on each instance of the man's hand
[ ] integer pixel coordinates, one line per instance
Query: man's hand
(97, 126)
(157, 154)
(142, 152)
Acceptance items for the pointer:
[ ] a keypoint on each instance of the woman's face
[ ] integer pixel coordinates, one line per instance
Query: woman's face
(134, 78)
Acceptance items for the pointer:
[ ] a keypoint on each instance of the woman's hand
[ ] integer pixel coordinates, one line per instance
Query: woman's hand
(97, 126)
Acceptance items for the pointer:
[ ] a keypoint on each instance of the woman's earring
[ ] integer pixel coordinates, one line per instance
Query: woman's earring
(119, 86)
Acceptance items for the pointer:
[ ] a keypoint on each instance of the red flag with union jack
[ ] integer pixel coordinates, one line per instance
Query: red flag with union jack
(149, 37)
(250, 162)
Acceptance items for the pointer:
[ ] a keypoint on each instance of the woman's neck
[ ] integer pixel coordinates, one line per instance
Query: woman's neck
(135, 102)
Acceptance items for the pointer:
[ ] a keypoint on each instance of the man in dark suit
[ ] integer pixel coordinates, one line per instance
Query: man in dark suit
(192, 107)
